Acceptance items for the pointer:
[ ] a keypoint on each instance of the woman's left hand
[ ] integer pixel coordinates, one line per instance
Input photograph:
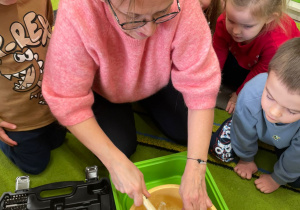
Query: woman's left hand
(193, 188)
(231, 103)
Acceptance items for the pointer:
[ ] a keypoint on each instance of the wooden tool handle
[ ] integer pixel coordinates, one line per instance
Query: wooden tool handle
(212, 208)
(148, 204)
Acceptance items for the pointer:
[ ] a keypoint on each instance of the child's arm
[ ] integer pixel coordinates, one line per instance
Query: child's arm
(286, 169)
(243, 134)
(245, 118)
(220, 41)
(244, 141)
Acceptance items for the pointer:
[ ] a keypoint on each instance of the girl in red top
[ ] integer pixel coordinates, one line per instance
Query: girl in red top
(247, 36)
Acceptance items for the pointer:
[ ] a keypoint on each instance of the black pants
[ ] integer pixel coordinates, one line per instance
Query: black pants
(233, 75)
(166, 107)
(32, 154)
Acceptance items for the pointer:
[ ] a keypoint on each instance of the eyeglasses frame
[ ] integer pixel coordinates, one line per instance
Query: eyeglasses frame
(145, 21)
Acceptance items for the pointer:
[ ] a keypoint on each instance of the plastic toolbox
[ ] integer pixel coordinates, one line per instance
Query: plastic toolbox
(167, 170)
(91, 194)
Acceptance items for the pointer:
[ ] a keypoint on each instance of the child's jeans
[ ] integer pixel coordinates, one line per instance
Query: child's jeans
(220, 147)
(220, 143)
(32, 154)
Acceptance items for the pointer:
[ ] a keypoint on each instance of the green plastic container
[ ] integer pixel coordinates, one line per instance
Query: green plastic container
(296, 1)
(167, 170)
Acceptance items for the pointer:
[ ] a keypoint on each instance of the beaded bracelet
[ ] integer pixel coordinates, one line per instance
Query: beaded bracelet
(199, 161)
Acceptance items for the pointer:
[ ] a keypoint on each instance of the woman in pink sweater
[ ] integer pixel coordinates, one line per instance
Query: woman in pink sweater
(103, 55)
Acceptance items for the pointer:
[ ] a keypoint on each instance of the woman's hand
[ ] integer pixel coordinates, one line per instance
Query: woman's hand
(128, 179)
(193, 188)
(3, 136)
(231, 103)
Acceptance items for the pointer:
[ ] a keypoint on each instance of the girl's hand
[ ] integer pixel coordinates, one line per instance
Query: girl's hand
(128, 179)
(231, 103)
(266, 184)
(3, 136)
(193, 188)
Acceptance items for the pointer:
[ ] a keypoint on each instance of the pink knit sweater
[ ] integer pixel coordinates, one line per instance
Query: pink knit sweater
(89, 51)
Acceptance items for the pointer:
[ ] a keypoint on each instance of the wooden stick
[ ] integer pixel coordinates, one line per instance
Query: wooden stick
(212, 208)
(148, 204)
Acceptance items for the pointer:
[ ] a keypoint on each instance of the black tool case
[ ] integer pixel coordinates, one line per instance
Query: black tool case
(91, 194)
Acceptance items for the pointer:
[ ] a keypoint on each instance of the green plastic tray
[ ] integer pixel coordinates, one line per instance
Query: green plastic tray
(167, 170)
(296, 1)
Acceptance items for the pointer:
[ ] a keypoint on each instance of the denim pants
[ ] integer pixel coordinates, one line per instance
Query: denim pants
(32, 154)
(220, 143)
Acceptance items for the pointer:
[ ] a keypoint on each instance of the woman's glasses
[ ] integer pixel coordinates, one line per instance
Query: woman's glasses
(137, 24)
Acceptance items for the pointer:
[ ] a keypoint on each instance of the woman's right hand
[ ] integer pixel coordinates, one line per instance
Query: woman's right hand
(128, 179)
(3, 136)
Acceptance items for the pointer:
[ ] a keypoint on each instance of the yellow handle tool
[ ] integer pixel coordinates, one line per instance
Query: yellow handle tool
(148, 204)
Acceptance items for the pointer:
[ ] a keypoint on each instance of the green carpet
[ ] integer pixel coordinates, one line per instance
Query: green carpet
(298, 25)
(55, 4)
